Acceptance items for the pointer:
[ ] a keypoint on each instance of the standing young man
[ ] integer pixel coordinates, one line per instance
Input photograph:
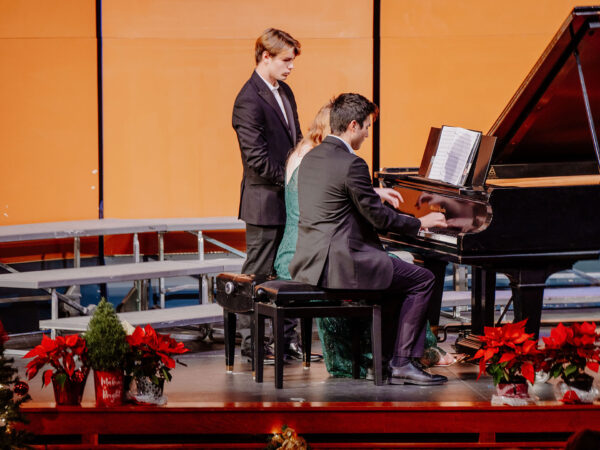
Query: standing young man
(338, 245)
(266, 122)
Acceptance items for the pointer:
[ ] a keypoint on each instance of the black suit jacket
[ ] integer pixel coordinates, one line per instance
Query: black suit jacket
(339, 215)
(265, 141)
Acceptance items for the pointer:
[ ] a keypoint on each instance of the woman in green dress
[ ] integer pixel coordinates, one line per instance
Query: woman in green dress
(334, 332)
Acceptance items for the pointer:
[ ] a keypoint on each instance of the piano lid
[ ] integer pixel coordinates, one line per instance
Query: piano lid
(546, 121)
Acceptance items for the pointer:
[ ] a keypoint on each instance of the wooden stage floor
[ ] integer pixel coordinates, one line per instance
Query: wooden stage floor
(208, 408)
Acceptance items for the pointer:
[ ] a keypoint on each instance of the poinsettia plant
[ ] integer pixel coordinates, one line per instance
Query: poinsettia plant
(67, 355)
(568, 351)
(508, 354)
(150, 354)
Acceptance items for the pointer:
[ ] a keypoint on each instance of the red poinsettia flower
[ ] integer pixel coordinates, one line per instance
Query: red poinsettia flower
(3, 334)
(67, 355)
(151, 352)
(570, 350)
(507, 352)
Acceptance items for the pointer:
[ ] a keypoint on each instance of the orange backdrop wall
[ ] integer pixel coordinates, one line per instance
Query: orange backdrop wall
(48, 111)
(455, 63)
(171, 71)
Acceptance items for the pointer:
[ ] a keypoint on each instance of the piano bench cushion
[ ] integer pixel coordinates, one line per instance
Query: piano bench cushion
(284, 292)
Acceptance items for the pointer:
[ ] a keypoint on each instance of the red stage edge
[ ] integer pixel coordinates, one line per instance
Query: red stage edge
(324, 425)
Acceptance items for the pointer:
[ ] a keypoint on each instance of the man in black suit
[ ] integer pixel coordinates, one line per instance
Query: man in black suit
(266, 122)
(338, 245)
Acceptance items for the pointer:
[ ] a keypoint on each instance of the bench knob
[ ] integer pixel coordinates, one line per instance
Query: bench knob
(229, 287)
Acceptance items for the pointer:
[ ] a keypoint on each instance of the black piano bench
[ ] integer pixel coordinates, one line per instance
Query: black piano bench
(280, 299)
(235, 293)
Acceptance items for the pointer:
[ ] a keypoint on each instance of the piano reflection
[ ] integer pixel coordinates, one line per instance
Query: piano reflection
(529, 207)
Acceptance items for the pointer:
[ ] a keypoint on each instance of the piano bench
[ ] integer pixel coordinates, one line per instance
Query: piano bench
(280, 299)
(235, 293)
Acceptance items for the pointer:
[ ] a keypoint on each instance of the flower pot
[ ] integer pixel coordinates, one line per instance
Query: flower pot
(109, 387)
(513, 390)
(70, 391)
(581, 381)
(143, 390)
(513, 394)
(578, 389)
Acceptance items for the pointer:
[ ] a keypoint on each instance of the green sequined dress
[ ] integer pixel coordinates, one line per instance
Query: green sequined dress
(336, 338)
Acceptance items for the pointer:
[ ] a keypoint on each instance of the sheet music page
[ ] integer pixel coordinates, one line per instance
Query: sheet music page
(454, 154)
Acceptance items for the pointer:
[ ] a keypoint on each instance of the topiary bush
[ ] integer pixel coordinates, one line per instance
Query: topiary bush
(105, 339)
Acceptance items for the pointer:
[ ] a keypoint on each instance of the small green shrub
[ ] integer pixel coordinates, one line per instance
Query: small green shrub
(105, 339)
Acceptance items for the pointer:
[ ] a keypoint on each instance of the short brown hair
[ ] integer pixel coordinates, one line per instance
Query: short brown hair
(274, 41)
(349, 107)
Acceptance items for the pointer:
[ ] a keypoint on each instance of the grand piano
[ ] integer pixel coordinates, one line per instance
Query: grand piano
(531, 204)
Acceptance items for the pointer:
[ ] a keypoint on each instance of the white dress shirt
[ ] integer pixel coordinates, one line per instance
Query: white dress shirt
(275, 91)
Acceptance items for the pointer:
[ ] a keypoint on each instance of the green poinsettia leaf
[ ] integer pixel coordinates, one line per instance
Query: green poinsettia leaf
(61, 379)
(498, 375)
(570, 370)
(556, 371)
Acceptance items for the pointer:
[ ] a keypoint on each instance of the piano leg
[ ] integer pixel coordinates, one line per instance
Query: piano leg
(483, 298)
(528, 296)
(438, 268)
(527, 284)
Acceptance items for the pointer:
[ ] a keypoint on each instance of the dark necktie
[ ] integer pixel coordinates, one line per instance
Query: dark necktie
(289, 114)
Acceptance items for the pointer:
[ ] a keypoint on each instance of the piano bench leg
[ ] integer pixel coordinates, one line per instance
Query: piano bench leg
(229, 325)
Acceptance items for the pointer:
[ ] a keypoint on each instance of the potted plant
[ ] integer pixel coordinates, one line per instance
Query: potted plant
(68, 358)
(568, 351)
(105, 339)
(149, 362)
(509, 355)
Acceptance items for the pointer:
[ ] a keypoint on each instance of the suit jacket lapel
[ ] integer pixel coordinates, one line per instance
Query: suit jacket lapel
(268, 96)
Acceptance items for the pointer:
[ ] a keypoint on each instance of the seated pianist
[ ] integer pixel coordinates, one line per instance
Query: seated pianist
(338, 246)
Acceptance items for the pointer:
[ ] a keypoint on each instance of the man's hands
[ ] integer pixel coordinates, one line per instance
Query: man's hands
(433, 219)
(390, 195)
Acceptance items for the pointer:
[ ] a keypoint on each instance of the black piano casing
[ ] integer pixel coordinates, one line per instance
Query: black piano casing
(528, 208)
(538, 219)
(235, 292)
(525, 220)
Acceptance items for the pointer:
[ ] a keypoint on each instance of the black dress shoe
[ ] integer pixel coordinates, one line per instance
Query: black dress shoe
(294, 351)
(268, 357)
(410, 374)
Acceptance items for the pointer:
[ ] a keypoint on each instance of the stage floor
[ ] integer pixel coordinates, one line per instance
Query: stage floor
(209, 408)
(204, 379)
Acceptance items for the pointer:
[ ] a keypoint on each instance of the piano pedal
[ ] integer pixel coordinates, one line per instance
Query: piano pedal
(467, 343)
(450, 327)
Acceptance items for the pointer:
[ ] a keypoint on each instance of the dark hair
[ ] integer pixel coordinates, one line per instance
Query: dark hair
(349, 107)
(274, 41)
(583, 439)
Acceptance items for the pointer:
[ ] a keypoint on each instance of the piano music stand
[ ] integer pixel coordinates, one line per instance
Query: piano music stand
(479, 168)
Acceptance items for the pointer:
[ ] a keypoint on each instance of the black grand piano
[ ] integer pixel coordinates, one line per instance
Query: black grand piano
(531, 203)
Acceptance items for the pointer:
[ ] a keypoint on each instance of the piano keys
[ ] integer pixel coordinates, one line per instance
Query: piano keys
(530, 207)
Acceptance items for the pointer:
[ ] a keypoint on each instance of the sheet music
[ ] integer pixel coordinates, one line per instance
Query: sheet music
(454, 154)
